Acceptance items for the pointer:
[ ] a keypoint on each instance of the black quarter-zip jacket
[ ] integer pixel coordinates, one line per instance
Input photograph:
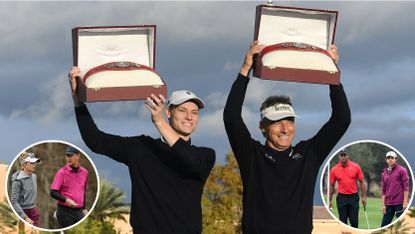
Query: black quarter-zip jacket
(166, 182)
(279, 185)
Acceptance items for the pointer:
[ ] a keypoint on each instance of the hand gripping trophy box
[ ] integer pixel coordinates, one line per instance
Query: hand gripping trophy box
(117, 63)
(296, 40)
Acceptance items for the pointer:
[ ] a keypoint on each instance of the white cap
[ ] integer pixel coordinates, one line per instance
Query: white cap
(30, 158)
(391, 154)
(277, 112)
(181, 96)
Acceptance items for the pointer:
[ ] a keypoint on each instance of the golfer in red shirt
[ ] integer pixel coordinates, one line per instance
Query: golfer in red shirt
(346, 173)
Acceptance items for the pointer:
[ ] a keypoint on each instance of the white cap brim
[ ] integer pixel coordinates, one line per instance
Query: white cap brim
(278, 112)
(197, 100)
(391, 154)
(182, 96)
(31, 160)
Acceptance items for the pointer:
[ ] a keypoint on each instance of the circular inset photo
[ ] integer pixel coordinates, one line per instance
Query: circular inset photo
(367, 185)
(52, 185)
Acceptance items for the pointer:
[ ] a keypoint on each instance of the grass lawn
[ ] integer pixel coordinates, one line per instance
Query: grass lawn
(373, 210)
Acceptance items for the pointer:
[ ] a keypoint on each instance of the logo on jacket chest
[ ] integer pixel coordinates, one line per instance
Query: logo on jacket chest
(292, 156)
(296, 156)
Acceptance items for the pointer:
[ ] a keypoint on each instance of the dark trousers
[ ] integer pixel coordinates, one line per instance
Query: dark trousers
(391, 211)
(348, 207)
(68, 216)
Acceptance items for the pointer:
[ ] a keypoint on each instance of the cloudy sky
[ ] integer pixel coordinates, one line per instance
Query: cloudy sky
(200, 47)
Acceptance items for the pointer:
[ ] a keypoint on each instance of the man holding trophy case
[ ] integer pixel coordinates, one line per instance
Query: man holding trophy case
(167, 173)
(278, 176)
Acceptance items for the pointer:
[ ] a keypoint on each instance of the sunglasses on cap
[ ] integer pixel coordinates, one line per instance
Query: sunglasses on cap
(390, 157)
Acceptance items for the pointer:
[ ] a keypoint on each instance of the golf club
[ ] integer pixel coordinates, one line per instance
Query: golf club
(367, 220)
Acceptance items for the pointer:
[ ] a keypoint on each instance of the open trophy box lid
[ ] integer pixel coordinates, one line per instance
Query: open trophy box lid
(116, 62)
(296, 40)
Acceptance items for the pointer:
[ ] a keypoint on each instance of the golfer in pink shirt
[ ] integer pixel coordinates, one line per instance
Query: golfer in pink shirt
(69, 188)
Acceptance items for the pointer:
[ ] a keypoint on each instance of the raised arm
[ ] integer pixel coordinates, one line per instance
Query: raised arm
(72, 76)
(198, 160)
(238, 134)
(156, 106)
(254, 49)
(96, 140)
(339, 121)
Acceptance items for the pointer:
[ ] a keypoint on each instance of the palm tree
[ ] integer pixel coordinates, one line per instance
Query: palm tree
(8, 219)
(412, 212)
(398, 228)
(109, 207)
(110, 203)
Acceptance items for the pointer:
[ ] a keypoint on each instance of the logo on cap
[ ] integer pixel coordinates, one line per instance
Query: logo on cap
(181, 96)
(277, 112)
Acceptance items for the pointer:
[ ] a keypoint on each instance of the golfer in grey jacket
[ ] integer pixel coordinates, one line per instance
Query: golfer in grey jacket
(24, 189)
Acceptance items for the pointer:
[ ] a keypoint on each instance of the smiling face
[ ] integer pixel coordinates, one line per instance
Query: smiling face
(279, 134)
(184, 118)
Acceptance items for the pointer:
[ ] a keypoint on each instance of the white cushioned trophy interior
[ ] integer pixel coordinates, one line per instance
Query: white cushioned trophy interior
(103, 45)
(298, 59)
(123, 78)
(279, 25)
